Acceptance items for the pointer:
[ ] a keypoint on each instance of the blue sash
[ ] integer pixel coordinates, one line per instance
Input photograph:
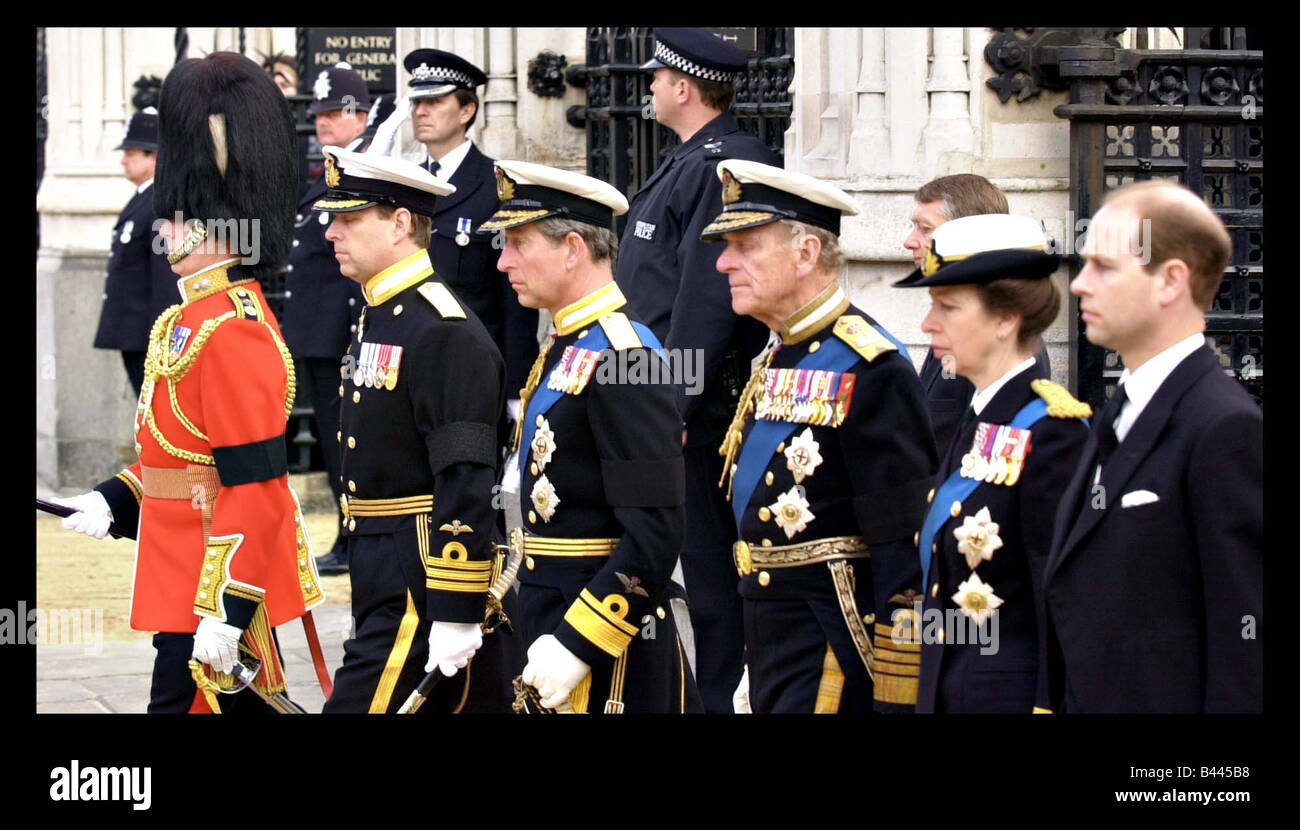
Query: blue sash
(834, 355)
(544, 398)
(958, 487)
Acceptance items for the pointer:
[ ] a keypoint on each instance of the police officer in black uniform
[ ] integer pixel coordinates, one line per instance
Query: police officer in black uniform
(321, 306)
(421, 415)
(827, 460)
(599, 448)
(444, 105)
(140, 283)
(988, 529)
(669, 277)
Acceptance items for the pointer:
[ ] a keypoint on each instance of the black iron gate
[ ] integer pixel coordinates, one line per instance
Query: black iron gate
(1195, 116)
(625, 144)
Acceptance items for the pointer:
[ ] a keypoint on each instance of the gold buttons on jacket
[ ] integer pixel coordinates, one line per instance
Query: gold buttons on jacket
(352, 524)
(660, 612)
(356, 397)
(397, 310)
(767, 543)
(532, 468)
(352, 486)
(352, 443)
(814, 346)
(532, 518)
(956, 508)
(934, 548)
(916, 538)
(764, 514)
(769, 478)
(340, 390)
(869, 619)
(764, 578)
(929, 497)
(941, 636)
(338, 436)
(934, 590)
(529, 563)
(780, 448)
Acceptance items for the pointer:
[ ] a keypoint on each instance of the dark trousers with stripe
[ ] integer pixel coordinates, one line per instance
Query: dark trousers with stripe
(325, 379)
(715, 606)
(384, 659)
(173, 689)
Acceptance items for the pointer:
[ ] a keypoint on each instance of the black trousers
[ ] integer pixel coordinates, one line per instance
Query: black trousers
(173, 688)
(325, 380)
(134, 362)
(711, 580)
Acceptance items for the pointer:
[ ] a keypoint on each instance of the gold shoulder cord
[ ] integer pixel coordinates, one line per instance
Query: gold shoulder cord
(731, 443)
(156, 367)
(530, 386)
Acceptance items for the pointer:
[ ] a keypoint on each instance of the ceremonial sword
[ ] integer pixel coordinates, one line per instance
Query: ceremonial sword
(492, 618)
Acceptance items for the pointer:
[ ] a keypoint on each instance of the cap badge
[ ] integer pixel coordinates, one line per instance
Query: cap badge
(423, 72)
(505, 186)
(322, 86)
(730, 188)
(331, 172)
(930, 261)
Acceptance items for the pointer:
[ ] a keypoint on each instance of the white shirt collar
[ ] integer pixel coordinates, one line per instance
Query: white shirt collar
(981, 399)
(143, 187)
(1141, 385)
(356, 142)
(451, 160)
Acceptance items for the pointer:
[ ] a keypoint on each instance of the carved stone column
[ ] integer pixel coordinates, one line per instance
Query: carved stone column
(949, 129)
(869, 141)
(501, 129)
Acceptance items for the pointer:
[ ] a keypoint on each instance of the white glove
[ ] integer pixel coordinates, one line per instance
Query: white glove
(740, 698)
(512, 408)
(217, 644)
(451, 645)
(553, 671)
(386, 133)
(93, 515)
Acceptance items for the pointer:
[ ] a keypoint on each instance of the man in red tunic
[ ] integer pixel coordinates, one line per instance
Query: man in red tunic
(222, 554)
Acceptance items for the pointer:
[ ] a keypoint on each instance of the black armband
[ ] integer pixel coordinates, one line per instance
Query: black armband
(247, 463)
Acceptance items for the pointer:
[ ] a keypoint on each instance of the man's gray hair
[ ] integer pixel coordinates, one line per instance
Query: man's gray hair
(602, 242)
(832, 256)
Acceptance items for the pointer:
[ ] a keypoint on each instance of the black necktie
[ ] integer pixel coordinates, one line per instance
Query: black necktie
(1107, 440)
(434, 166)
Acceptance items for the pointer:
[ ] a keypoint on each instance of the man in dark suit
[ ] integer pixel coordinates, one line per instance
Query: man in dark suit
(140, 283)
(1154, 584)
(321, 306)
(942, 200)
(670, 277)
(444, 105)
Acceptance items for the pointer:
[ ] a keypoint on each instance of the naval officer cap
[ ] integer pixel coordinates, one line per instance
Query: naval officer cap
(337, 88)
(698, 53)
(976, 250)
(435, 73)
(141, 131)
(529, 192)
(357, 181)
(755, 194)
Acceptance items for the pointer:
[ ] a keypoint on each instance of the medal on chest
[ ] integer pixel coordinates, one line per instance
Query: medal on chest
(997, 454)
(805, 396)
(377, 366)
(573, 370)
(462, 231)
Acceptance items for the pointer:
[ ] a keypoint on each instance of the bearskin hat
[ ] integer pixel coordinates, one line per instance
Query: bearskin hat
(227, 151)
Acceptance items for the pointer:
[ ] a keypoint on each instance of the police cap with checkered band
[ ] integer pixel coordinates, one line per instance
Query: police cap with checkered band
(698, 53)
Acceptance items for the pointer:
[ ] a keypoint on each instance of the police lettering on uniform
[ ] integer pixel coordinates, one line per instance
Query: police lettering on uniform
(599, 460)
(668, 275)
(140, 283)
(321, 306)
(421, 417)
(826, 462)
(222, 555)
(988, 528)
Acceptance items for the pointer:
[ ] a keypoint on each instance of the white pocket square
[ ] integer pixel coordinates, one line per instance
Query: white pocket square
(1137, 498)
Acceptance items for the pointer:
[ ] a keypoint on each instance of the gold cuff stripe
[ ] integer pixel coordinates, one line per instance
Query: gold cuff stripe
(408, 506)
(245, 592)
(396, 658)
(422, 541)
(137, 489)
(891, 689)
(457, 566)
(831, 686)
(898, 659)
(553, 546)
(610, 636)
(457, 587)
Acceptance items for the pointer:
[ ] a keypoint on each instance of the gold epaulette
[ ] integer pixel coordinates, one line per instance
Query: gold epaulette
(246, 303)
(620, 332)
(862, 337)
(441, 298)
(1060, 403)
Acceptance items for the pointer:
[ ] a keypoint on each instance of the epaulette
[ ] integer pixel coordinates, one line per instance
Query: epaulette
(246, 304)
(441, 298)
(863, 337)
(1060, 403)
(620, 332)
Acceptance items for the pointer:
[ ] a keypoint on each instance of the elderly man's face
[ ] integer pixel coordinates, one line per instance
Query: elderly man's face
(535, 267)
(760, 266)
(925, 218)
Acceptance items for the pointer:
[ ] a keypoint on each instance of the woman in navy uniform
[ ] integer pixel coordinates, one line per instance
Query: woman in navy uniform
(989, 522)
(599, 447)
(140, 284)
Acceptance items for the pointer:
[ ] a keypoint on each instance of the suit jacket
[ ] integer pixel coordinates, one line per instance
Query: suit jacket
(471, 269)
(140, 284)
(321, 306)
(671, 278)
(1155, 607)
(946, 398)
(956, 676)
